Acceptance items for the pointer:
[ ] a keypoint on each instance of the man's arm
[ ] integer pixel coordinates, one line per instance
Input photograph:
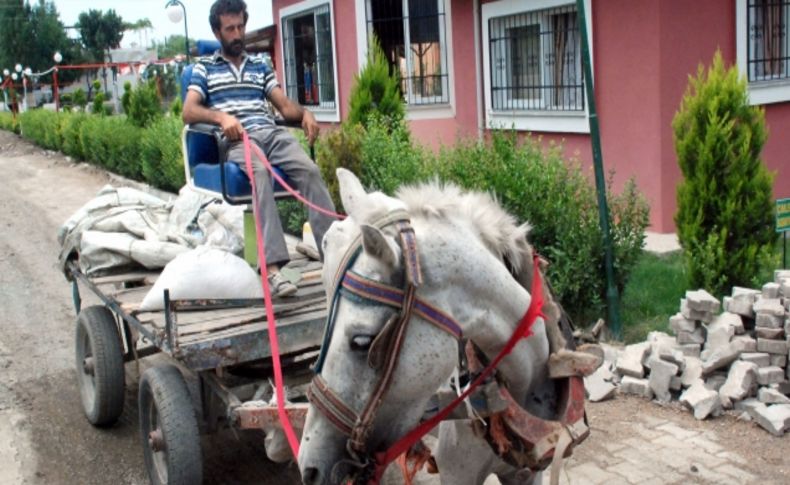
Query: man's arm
(195, 112)
(291, 111)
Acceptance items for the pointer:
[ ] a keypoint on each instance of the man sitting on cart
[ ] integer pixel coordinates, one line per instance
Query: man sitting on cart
(228, 89)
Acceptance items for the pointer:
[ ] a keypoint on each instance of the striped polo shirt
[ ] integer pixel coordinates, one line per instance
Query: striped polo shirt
(239, 92)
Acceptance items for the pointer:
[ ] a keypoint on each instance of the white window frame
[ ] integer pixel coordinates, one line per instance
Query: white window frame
(424, 111)
(321, 114)
(530, 120)
(760, 92)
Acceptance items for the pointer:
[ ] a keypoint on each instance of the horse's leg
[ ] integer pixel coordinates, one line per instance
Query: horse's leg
(520, 477)
(462, 457)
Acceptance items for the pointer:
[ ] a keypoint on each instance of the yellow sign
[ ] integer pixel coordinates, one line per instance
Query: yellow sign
(782, 215)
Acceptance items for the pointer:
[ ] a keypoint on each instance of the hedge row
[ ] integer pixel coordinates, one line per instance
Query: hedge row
(151, 154)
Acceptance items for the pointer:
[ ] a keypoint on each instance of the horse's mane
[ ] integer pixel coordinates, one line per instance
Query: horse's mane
(496, 228)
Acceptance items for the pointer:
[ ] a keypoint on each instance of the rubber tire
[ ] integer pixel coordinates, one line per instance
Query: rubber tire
(102, 395)
(163, 390)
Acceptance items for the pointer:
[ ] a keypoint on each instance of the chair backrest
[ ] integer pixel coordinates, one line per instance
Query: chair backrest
(201, 148)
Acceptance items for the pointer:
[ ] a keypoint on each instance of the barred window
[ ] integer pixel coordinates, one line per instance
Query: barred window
(309, 65)
(768, 40)
(412, 36)
(535, 61)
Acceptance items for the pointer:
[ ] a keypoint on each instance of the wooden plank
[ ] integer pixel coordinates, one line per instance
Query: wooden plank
(219, 324)
(149, 277)
(283, 329)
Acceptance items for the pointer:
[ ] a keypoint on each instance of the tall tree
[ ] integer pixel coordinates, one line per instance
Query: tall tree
(100, 32)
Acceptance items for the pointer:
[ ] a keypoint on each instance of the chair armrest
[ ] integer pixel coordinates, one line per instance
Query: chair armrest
(206, 128)
(287, 124)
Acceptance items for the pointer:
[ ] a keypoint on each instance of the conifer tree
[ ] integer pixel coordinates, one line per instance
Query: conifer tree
(725, 209)
(375, 90)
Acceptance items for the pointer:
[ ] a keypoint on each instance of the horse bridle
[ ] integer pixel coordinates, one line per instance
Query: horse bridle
(385, 349)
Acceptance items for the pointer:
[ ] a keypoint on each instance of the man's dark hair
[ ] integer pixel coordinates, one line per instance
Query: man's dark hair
(222, 7)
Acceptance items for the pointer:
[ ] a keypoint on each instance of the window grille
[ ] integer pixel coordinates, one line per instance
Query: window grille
(535, 61)
(412, 36)
(309, 65)
(768, 42)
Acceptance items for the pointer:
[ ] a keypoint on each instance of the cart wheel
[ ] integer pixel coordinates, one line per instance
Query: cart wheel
(169, 428)
(100, 372)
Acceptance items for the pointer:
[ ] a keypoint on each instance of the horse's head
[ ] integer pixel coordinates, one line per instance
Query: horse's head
(367, 332)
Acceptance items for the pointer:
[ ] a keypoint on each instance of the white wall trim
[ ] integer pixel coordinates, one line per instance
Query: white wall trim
(414, 112)
(562, 122)
(760, 92)
(321, 114)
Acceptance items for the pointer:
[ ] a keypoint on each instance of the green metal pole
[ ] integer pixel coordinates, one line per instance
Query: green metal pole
(612, 296)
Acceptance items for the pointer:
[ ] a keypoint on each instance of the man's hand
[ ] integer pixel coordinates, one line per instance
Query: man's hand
(231, 127)
(310, 126)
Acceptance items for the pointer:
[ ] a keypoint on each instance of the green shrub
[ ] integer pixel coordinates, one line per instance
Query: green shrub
(98, 99)
(126, 97)
(70, 129)
(42, 127)
(339, 148)
(390, 159)
(144, 104)
(176, 107)
(8, 122)
(375, 90)
(162, 159)
(558, 200)
(80, 99)
(725, 210)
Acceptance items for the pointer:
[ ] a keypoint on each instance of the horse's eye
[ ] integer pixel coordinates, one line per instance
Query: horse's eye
(361, 342)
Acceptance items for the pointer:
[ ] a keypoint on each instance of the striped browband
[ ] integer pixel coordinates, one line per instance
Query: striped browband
(371, 290)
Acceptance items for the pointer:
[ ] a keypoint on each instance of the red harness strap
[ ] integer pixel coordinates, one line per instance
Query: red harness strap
(524, 330)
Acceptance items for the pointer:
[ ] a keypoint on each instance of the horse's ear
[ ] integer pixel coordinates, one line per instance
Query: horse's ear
(376, 244)
(351, 193)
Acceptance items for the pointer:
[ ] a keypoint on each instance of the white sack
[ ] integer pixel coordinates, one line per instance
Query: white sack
(102, 250)
(204, 273)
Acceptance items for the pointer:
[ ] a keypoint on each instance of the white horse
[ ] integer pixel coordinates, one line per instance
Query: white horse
(463, 240)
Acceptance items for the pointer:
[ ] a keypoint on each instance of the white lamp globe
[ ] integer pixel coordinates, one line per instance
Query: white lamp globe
(28, 71)
(6, 72)
(18, 68)
(174, 13)
(14, 76)
(57, 57)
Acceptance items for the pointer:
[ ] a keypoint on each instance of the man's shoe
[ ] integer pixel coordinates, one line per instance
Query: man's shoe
(280, 286)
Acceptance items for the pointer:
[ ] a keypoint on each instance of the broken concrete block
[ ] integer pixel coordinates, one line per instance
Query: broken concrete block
(692, 372)
(661, 374)
(769, 375)
(749, 405)
(784, 289)
(741, 307)
(744, 343)
(629, 363)
(691, 314)
(775, 419)
(702, 301)
(695, 337)
(679, 323)
(701, 400)
(783, 387)
(597, 385)
(719, 334)
(778, 360)
(770, 306)
(780, 274)
(715, 381)
(770, 291)
(772, 396)
(666, 353)
(768, 320)
(639, 387)
(772, 346)
(769, 333)
(740, 382)
(732, 319)
(721, 357)
(762, 359)
(692, 350)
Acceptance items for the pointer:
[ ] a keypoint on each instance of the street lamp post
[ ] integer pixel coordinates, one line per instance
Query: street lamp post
(28, 73)
(175, 14)
(57, 58)
(6, 72)
(21, 73)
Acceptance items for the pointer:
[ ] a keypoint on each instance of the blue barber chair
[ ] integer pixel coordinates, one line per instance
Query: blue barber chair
(206, 167)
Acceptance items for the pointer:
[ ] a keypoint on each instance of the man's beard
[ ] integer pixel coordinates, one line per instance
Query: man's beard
(233, 48)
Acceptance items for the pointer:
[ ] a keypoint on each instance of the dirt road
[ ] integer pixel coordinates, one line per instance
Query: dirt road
(44, 438)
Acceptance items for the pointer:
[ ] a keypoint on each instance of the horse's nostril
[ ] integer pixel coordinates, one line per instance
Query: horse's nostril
(310, 476)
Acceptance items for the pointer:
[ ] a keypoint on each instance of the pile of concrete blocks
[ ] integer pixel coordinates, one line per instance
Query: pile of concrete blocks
(735, 359)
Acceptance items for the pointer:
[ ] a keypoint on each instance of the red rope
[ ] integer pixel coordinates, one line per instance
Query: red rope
(524, 330)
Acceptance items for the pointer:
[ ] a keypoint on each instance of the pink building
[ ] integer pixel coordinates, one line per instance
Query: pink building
(471, 66)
